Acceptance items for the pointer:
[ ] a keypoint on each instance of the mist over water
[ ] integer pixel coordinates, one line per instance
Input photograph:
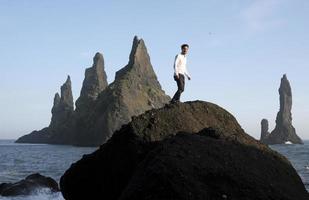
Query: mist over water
(20, 160)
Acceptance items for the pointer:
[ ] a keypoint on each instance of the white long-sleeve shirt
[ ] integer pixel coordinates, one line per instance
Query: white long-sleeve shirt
(180, 65)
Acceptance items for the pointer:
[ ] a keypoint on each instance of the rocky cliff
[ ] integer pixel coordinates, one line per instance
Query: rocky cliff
(192, 150)
(284, 130)
(101, 109)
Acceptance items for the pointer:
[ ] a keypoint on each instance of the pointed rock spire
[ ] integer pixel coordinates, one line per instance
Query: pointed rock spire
(66, 94)
(138, 50)
(135, 90)
(264, 129)
(139, 62)
(94, 83)
(56, 100)
(63, 105)
(62, 112)
(284, 130)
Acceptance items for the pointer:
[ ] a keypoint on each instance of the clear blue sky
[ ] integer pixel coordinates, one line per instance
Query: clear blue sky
(239, 50)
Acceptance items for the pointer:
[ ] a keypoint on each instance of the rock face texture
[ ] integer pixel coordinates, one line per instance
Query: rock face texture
(135, 90)
(192, 150)
(284, 130)
(62, 113)
(28, 185)
(101, 109)
(264, 130)
(94, 83)
(63, 107)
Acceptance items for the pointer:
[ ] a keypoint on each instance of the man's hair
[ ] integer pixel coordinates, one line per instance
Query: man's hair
(184, 45)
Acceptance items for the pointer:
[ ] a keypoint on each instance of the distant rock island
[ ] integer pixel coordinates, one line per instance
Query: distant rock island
(192, 150)
(284, 130)
(102, 108)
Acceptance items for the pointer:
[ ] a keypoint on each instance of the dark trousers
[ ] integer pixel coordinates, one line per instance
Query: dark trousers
(181, 87)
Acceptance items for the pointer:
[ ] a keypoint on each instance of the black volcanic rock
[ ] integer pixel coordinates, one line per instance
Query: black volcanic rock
(61, 121)
(152, 158)
(94, 83)
(196, 166)
(135, 90)
(264, 129)
(101, 109)
(63, 107)
(28, 185)
(284, 130)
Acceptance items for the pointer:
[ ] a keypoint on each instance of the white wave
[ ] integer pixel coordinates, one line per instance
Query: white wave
(288, 142)
(39, 194)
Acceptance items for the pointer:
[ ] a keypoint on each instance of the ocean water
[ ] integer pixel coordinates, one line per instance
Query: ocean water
(20, 160)
(298, 155)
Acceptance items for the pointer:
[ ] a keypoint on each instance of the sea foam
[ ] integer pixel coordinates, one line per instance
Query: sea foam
(40, 194)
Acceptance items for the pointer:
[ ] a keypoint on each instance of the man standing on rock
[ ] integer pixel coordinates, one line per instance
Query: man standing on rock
(180, 72)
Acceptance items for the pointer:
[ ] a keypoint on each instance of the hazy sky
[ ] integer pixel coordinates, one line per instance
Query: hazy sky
(239, 50)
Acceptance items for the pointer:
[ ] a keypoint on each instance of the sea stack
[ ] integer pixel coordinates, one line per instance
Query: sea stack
(62, 114)
(63, 107)
(284, 130)
(135, 90)
(94, 83)
(101, 109)
(264, 129)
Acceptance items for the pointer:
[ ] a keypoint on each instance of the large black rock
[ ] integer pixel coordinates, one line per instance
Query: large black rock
(198, 166)
(28, 185)
(212, 158)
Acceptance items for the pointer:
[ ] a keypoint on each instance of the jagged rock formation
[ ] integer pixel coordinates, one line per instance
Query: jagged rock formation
(101, 109)
(284, 130)
(63, 107)
(62, 113)
(192, 150)
(264, 129)
(135, 90)
(28, 185)
(94, 83)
